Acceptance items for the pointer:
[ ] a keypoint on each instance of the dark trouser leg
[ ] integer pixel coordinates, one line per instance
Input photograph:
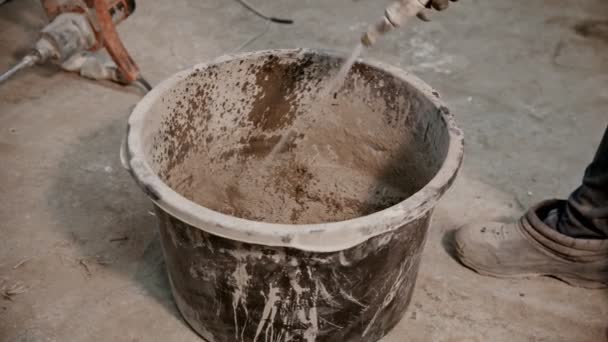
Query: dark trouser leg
(585, 215)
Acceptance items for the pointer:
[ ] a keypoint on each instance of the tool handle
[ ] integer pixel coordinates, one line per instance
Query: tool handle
(111, 41)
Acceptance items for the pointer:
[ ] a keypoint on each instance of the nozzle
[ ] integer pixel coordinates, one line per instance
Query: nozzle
(394, 16)
(27, 61)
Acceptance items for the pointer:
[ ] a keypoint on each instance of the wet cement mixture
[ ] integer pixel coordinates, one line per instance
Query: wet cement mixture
(348, 155)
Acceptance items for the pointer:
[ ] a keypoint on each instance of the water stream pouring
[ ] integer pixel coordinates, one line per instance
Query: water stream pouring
(395, 15)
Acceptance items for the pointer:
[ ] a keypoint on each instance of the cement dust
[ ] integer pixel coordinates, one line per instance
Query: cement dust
(333, 86)
(299, 179)
(305, 153)
(334, 172)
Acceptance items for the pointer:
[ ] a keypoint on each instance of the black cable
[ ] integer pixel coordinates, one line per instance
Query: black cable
(262, 15)
(141, 80)
(281, 21)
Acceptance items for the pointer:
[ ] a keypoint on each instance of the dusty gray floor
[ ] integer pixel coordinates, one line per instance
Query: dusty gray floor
(529, 92)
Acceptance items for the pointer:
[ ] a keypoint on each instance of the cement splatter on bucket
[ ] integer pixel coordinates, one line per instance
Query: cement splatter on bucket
(323, 241)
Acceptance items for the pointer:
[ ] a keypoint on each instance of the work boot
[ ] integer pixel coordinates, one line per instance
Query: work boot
(529, 247)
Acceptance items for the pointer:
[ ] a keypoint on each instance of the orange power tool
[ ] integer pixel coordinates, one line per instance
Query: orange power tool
(78, 29)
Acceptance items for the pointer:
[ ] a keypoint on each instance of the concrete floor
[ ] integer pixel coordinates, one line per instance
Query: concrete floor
(527, 89)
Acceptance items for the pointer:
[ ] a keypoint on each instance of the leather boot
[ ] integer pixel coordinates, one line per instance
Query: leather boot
(528, 247)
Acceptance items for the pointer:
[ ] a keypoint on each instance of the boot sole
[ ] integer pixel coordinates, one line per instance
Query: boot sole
(571, 280)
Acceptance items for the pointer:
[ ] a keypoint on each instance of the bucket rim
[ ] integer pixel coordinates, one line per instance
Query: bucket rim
(319, 237)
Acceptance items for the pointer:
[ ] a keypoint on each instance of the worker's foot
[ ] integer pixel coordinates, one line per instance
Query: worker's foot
(529, 247)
